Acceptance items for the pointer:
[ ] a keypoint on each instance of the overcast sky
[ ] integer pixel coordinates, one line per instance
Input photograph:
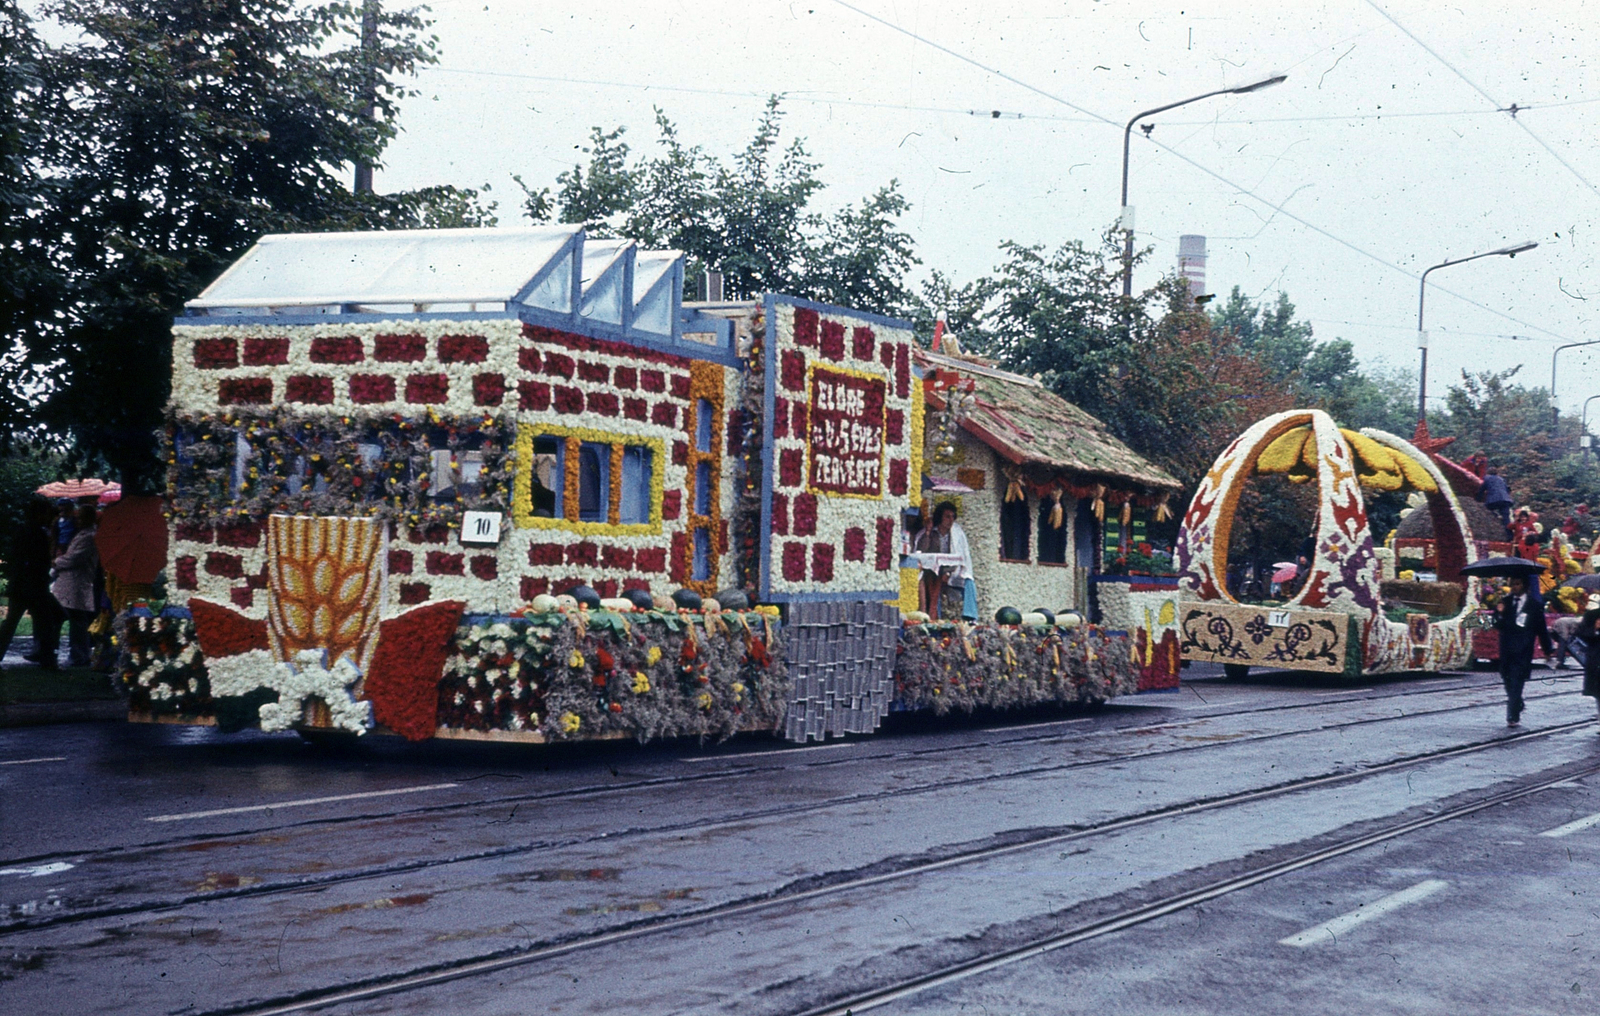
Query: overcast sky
(1380, 155)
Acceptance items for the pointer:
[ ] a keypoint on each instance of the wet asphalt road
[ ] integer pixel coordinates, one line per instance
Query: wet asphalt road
(153, 869)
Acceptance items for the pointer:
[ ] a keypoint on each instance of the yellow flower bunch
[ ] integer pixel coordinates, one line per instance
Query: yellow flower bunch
(570, 723)
(575, 661)
(641, 683)
(653, 657)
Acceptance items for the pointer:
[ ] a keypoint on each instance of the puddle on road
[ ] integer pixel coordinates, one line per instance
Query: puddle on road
(413, 900)
(218, 880)
(651, 906)
(564, 875)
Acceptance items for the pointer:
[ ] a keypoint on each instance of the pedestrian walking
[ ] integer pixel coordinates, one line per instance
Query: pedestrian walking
(74, 586)
(28, 585)
(1589, 634)
(1521, 625)
(1496, 495)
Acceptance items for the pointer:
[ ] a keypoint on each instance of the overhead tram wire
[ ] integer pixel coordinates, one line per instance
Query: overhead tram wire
(1278, 208)
(1498, 108)
(986, 114)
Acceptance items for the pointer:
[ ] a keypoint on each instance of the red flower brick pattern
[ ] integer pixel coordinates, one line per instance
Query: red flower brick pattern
(680, 453)
(484, 566)
(558, 365)
(802, 416)
(369, 388)
(902, 371)
(309, 389)
(625, 378)
(546, 553)
(792, 370)
(651, 559)
(635, 409)
(213, 354)
(567, 399)
(886, 354)
(805, 329)
(789, 462)
(425, 388)
(488, 389)
(884, 557)
(187, 576)
(195, 531)
(528, 359)
(245, 391)
(680, 385)
(894, 427)
(532, 587)
(585, 553)
(412, 593)
(463, 349)
(265, 352)
(428, 534)
(400, 562)
(439, 562)
(229, 566)
(239, 534)
(861, 343)
(336, 349)
(243, 596)
(897, 476)
(620, 558)
(805, 515)
(780, 418)
(678, 559)
(533, 395)
(855, 544)
(604, 403)
(653, 381)
(832, 344)
(822, 562)
(794, 561)
(399, 348)
(664, 414)
(671, 504)
(598, 373)
(722, 536)
(780, 514)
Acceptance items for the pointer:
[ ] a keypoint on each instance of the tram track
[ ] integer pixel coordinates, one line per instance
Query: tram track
(783, 759)
(275, 887)
(501, 960)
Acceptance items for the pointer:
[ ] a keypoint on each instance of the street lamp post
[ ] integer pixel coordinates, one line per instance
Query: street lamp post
(1583, 432)
(1555, 407)
(1127, 134)
(1422, 296)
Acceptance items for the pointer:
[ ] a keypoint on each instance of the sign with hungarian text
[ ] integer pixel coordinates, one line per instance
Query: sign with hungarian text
(845, 432)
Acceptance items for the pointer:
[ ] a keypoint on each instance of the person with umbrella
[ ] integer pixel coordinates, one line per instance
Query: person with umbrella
(1521, 624)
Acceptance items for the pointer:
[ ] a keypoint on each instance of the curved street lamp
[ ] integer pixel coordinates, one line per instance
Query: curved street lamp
(1583, 438)
(1127, 134)
(1422, 334)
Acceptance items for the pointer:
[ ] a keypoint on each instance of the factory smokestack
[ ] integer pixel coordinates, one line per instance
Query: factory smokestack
(1192, 262)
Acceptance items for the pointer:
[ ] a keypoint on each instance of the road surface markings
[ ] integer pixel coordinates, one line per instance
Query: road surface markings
(1573, 827)
(774, 753)
(1046, 723)
(297, 804)
(39, 869)
(1331, 930)
(31, 761)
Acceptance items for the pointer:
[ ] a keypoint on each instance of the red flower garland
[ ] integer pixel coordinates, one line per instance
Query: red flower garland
(399, 348)
(402, 680)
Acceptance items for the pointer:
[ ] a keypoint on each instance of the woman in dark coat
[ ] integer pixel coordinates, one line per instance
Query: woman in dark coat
(1589, 633)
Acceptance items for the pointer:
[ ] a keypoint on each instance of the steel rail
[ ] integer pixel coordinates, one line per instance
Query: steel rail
(430, 976)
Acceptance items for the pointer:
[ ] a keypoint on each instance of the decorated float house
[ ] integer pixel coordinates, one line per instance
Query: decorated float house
(388, 453)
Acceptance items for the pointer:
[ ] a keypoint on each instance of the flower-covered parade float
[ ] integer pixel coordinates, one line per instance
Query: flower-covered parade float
(505, 484)
(1345, 619)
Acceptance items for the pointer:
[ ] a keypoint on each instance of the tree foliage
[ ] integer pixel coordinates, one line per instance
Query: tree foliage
(749, 217)
(169, 135)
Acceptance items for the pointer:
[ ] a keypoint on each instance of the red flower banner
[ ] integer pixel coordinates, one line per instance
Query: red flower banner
(403, 679)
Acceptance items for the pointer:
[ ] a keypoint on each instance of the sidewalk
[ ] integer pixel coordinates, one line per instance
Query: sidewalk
(31, 696)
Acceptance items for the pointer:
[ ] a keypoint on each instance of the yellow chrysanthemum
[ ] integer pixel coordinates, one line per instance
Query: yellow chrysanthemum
(653, 657)
(1284, 451)
(570, 723)
(704, 701)
(641, 683)
(575, 661)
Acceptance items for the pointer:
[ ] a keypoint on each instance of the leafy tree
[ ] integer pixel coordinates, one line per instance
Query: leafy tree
(748, 218)
(182, 130)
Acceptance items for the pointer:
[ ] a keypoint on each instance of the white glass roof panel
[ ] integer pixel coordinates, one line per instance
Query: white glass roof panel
(397, 267)
(649, 267)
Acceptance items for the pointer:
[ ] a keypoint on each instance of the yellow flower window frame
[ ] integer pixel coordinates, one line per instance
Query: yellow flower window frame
(522, 485)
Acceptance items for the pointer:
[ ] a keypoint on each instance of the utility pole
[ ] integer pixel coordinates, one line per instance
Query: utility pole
(369, 85)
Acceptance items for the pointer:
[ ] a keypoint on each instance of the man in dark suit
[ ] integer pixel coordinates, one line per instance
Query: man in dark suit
(1521, 624)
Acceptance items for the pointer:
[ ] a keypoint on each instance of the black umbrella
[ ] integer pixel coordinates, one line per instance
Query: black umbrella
(1589, 583)
(1503, 566)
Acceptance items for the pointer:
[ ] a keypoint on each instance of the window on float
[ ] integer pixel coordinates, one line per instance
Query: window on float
(549, 472)
(1014, 530)
(594, 482)
(638, 464)
(614, 481)
(1052, 541)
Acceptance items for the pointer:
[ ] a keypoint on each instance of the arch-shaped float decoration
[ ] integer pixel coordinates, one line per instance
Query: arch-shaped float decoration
(1343, 578)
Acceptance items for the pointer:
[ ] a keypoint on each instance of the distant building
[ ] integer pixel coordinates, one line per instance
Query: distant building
(1192, 262)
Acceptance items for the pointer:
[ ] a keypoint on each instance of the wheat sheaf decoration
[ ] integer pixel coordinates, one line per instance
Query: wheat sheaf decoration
(326, 583)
